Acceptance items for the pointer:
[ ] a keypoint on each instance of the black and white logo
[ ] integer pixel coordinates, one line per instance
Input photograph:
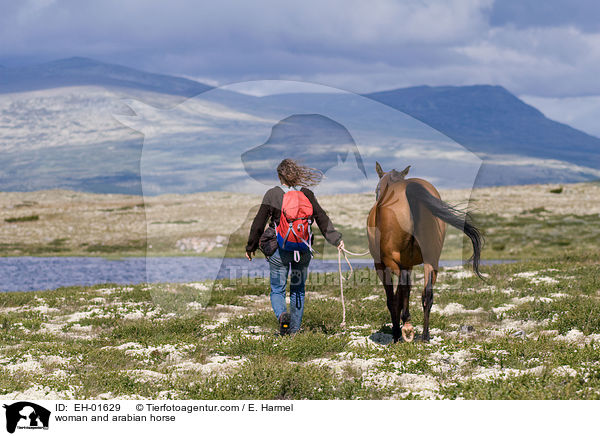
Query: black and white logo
(26, 415)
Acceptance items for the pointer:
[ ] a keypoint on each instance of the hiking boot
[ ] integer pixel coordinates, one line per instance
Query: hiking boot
(284, 323)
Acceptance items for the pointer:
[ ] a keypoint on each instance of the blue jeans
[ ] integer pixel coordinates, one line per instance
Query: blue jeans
(280, 263)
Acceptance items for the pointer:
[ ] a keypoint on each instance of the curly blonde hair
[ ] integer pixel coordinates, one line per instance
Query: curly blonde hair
(292, 173)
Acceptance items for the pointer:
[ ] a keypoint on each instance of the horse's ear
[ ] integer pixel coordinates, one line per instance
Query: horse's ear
(380, 172)
(396, 176)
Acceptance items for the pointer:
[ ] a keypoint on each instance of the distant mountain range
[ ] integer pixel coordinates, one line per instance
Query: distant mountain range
(490, 120)
(58, 131)
(79, 71)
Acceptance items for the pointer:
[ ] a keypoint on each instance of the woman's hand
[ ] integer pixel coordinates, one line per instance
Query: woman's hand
(250, 254)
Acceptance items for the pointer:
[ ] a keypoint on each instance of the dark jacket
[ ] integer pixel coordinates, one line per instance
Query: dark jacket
(270, 209)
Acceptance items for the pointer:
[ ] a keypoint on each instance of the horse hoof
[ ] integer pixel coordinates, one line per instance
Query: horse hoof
(408, 332)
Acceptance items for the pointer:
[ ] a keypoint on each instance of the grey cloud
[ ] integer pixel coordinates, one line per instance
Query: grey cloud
(583, 14)
(544, 48)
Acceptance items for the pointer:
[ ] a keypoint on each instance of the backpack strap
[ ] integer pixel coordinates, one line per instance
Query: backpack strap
(302, 239)
(290, 229)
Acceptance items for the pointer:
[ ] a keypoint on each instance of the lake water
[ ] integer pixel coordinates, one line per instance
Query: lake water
(40, 273)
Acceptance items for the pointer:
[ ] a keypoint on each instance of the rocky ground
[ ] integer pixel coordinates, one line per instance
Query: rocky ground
(532, 330)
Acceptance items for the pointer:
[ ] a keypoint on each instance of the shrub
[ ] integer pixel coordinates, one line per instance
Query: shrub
(21, 219)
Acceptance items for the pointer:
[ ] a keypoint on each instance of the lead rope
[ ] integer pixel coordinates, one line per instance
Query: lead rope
(342, 278)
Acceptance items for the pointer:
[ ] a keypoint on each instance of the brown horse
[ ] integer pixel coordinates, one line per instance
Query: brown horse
(406, 227)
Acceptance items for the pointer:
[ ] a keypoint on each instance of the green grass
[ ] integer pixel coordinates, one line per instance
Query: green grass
(534, 234)
(125, 208)
(147, 341)
(538, 234)
(534, 326)
(129, 247)
(295, 349)
(526, 387)
(275, 378)
(22, 219)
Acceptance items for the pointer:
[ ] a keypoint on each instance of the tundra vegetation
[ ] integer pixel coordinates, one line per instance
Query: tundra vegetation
(519, 221)
(530, 331)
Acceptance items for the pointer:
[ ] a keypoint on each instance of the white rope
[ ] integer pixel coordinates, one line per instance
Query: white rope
(356, 254)
(341, 250)
(343, 324)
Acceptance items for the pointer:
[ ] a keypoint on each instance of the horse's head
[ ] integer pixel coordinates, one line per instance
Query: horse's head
(389, 177)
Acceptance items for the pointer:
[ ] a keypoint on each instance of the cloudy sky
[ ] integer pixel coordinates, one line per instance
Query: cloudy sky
(547, 49)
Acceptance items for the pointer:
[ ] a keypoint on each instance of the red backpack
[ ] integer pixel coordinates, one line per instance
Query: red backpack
(293, 230)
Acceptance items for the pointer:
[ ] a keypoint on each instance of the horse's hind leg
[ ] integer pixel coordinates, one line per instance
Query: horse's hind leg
(427, 298)
(393, 298)
(404, 287)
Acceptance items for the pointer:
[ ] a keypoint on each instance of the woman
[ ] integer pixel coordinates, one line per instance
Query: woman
(292, 177)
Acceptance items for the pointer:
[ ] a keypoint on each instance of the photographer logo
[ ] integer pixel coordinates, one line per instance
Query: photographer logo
(26, 415)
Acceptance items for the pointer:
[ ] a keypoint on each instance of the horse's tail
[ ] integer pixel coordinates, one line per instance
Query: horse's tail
(463, 221)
